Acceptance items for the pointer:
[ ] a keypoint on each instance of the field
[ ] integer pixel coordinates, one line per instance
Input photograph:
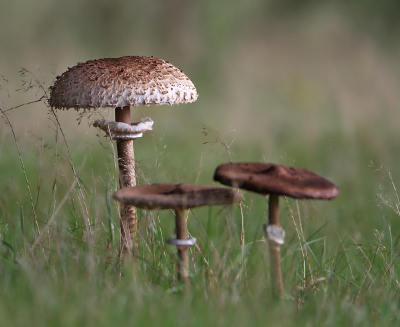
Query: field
(314, 92)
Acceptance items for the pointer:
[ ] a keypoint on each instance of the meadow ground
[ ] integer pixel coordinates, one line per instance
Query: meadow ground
(329, 105)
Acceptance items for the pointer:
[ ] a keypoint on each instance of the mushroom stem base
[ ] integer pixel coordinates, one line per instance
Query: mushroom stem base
(183, 251)
(276, 273)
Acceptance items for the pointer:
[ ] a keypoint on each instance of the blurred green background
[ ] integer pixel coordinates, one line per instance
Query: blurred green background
(312, 84)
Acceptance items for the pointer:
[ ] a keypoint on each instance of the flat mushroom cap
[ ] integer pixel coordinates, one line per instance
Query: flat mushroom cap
(175, 196)
(276, 179)
(119, 82)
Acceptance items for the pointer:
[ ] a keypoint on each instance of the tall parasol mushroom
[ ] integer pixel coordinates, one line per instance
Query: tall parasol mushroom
(178, 197)
(275, 180)
(121, 83)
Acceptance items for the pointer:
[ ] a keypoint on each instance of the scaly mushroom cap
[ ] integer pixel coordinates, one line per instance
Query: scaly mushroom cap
(119, 82)
(276, 179)
(173, 196)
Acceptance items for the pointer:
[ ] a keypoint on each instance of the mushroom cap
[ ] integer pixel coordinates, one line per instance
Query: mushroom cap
(266, 179)
(175, 196)
(119, 82)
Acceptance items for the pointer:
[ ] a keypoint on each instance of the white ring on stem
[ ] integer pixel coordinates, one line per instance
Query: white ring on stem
(275, 234)
(189, 242)
(118, 130)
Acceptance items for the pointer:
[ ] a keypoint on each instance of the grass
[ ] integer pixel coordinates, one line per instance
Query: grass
(330, 108)
(339, 261)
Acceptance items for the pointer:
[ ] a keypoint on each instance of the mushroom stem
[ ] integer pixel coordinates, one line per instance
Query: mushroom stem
(273, 210)
(127, 178)
(274, 247)
(183, 251)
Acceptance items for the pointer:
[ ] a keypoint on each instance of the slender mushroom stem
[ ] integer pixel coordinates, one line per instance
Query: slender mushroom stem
(273, 210)
(127, 178)
(274, 247)
(183, 251)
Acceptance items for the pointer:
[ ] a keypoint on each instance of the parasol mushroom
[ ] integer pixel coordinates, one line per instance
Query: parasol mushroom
(178, 197)
(121, 83)
(275, 180)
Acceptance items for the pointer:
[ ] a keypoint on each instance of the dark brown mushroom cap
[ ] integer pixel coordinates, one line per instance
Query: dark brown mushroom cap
(173, 196)
(276, 179)
(119, 82)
